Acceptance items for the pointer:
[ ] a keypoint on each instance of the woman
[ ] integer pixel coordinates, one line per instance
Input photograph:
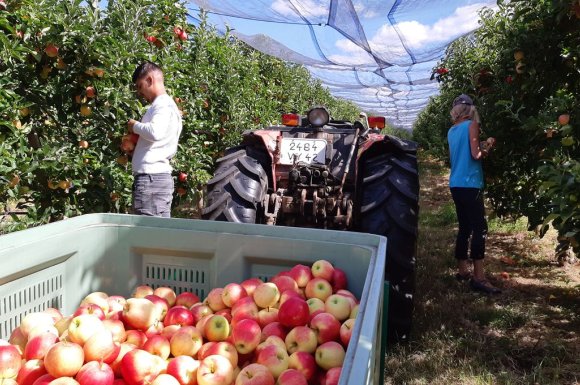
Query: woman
(466, 185)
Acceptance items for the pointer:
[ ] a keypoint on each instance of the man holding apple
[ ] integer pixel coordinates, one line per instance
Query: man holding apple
(158, 131)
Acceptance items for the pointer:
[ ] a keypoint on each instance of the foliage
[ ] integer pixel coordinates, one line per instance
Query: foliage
(523, 69)
(55, 54)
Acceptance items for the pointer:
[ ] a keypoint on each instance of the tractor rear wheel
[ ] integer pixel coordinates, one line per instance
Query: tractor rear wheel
(389, 206)
(236, 192)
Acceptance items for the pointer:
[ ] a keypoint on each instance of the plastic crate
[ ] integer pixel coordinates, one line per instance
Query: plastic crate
(57, 265)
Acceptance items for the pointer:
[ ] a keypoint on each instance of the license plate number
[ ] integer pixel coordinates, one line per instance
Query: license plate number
(307, 151)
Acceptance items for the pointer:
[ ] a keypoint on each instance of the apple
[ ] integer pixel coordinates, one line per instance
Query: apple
(202, 352)
(329, 355)
(92, 309)
(10, 360)
(200, 325)
(158, 345)
(285, 282)
(41, 330)
(38, 345)
(165, 379)
(30, 371)
(250, 285)
(178, 315)
(274, 329)
(90, 92)
(287, 294)
(266, 294)
(232, 293)
(318, 288)
(332, 376)
(214, 299)
(95, 373)
(271, 340)
(267, 316)
(345, 331)
(338, 280)
(255, 374)
(116, 303)
(225, 349)
(187, 299)
(292, 377)
(216, 328)
(51, 50)
(247, 307)
(339, 306)
(142, 291)
(184, 369)
(101, 347)
(54, 312)
(354, 312)
(117, 329)
(303, 362)
(119, 381)
(167, 293)
(301, 274)
(186, 341)
(141, 313)
(32, 320)
(564, 119)
(161, 303)
(83, 326)
(64, 381)
(226, 313)
(301, 338)
(139, 367)
(18, 339)
(136, 338)
(275, 358)
(182, 177)
(44, 379)
(169, 330)
(315, 306)
(326, 327)
(215, 370)
(64, 359)
(294, 312)
(322, 269)
(62, 324)
(246, 335)
(200, 310)
(116, 365)
(154, 329)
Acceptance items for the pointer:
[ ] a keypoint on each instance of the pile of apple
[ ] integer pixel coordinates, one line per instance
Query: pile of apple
(291, 330)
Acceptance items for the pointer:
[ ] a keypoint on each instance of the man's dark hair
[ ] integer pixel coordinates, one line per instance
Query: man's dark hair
(145, 69)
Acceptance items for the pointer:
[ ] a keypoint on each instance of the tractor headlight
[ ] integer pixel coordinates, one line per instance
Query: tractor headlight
(318, 116)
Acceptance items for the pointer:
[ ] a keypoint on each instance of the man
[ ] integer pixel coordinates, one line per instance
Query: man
(158, 131)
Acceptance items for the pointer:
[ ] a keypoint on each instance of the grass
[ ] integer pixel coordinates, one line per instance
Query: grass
(530, 334)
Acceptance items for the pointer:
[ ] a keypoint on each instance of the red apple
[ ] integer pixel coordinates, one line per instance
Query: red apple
(30, 371)
(98, 298)
(54, 313)
(18, 339)
(10, 360)
(64, 359)
(225, 349)
(64, 381)
(339, 280)
(318, 288)
(182, 177)
(167, 293)
(322, 269)
(184, 369)
(83, 326)
(226, 313)
(294, 312)
(158, 345)
(267, 316)
(169, 331)
(315, 306)
(332, 376)
(165, 379)
(338, 306)
(354, 312)
(186, 341)
(326, 327)
(274, 329)
(187, 299)
(136, 338)
(255, 374)
(250, 285)
(62, 324)
(247, 307)
(329, 355)
(292, 377)
(246, 335)
(141, 313)
(216, 328)
(117, 329)
(215, 370)
(116, 365)
(139, 367)
(101, 347)
(275, 358)
(200, 310)
(159, 302)
(38, 345)
(346, 331)
(142, 291)
(301, 338)
(301, 274)
(303, 362)
(32, 320)
(51, 50)
(45, 379)
(95, 373)
(285, 282)
(214, 299)
(266, 295)
(91, 309)
(232, 293)
(271, 340)
(178, 315)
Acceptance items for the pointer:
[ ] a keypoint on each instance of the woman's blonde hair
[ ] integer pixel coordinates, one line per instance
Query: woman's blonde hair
(464, 111)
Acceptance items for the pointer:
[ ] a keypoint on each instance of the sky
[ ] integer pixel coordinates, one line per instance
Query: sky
(376, 53)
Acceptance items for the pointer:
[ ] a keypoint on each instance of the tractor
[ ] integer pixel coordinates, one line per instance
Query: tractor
(316, 172)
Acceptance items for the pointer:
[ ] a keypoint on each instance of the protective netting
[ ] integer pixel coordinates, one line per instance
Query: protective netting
(377, 53)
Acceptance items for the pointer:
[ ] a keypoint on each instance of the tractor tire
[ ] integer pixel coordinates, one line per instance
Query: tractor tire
(389, 206)
(237, 190)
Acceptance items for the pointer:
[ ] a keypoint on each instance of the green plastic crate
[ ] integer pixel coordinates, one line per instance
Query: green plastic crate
(57, 265)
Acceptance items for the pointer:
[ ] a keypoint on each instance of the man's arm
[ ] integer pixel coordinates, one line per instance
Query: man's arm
(156, 129)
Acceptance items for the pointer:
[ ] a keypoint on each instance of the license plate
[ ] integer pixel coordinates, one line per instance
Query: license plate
(302, 150)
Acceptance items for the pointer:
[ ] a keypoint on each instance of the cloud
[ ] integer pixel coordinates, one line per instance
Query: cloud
(307, 8)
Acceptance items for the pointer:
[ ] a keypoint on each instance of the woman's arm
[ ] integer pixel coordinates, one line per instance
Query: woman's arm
(476, 152)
